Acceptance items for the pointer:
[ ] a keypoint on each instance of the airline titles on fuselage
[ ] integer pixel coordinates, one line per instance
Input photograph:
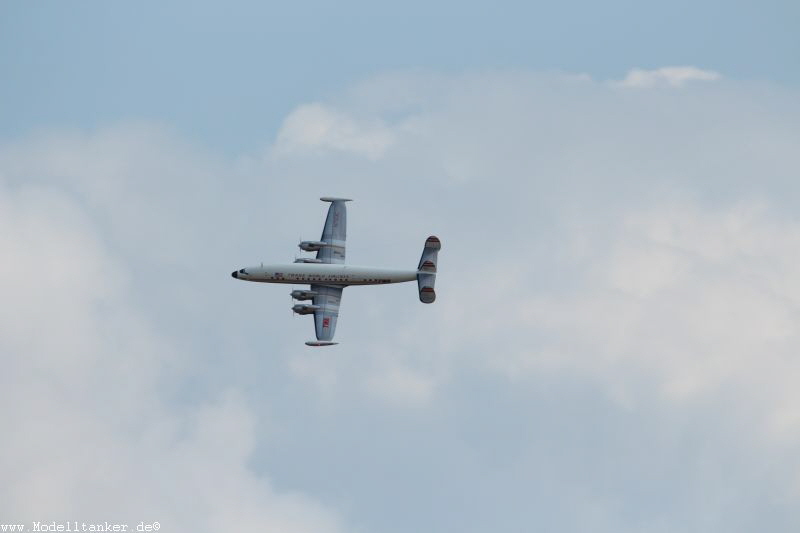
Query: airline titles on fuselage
(324, 278)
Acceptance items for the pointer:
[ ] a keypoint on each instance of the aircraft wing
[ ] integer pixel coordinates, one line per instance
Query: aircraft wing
(327, 298)
(334, 234)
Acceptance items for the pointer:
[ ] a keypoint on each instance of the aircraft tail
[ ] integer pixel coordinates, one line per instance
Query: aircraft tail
(426, 271)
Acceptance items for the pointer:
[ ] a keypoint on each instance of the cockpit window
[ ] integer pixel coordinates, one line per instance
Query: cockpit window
(242, 271)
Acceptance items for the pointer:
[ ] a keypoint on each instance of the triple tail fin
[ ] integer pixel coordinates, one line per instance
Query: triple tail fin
(426, 271)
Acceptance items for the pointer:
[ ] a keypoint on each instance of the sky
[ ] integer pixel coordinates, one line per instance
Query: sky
(614, 345)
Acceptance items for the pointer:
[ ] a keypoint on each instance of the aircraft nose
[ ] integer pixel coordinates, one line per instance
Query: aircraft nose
(234, 274)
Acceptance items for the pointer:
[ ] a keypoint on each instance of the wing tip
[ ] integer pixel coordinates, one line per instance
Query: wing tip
(335, 199)
(320, 343)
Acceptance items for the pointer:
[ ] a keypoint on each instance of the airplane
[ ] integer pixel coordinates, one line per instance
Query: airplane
(327, 274)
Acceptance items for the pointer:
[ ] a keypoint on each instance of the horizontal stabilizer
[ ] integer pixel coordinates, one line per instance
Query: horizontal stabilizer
(426, 271)
(320, 343)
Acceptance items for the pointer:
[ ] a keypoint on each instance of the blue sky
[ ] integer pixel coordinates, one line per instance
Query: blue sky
(228, 74)
(614, 343)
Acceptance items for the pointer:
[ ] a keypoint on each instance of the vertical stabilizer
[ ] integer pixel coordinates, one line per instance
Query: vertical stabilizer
(426, 271)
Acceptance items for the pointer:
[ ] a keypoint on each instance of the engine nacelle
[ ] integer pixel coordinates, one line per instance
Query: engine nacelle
(312, 246)
(307, 260)
(305, 309)
(303, 295)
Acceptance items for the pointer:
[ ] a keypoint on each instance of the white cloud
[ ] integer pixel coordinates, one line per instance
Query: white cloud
(666, 77)
(314, 127)
(88, 433)
(695, 300)
(635, 247)
(402, 386)
(613, 335)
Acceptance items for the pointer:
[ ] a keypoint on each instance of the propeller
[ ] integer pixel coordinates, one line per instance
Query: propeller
(296, 253)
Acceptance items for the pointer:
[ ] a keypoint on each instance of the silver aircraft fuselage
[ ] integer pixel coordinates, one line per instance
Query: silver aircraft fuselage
(324, 274)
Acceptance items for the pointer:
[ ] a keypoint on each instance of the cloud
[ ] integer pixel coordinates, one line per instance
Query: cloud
(695, 300)
(666, 77)
(630, 250)
(402, 386)
(612, 346)
(314, 127)
(90, 434)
